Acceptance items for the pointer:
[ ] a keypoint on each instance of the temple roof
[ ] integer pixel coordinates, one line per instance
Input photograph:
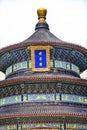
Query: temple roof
(42, 36)
(42, 33)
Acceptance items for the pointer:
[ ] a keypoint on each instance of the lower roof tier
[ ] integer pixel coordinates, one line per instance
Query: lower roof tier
(26, 113)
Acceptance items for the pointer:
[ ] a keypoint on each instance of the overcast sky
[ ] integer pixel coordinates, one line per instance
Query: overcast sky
(67, 20)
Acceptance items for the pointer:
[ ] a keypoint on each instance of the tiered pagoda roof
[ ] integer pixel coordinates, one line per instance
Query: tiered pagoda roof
(60, 77)
(42, 36)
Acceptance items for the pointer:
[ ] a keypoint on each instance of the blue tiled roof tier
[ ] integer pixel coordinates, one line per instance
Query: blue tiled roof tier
(59, 112)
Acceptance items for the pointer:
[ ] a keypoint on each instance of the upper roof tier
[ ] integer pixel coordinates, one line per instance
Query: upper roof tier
(63, 51)
(42, 33)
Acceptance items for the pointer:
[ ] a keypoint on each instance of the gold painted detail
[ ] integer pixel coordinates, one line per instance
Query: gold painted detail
(48, 64)
(41, 14)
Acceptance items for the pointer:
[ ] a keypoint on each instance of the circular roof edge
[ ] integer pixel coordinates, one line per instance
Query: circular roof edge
(59, 44)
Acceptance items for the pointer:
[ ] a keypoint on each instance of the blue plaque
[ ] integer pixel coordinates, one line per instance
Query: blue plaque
(40, 59)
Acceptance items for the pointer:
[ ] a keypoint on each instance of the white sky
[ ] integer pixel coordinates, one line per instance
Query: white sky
(67, 20)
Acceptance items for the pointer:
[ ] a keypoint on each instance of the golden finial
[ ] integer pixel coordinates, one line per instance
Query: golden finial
(41, 14)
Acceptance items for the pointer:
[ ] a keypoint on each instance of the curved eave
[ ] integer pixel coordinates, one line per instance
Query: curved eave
(35, 79)
(25, 109)
(30, 118)
(42, 115)
(60, 44)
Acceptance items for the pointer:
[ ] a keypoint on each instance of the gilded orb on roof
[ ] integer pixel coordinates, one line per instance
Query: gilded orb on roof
(41, 14)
